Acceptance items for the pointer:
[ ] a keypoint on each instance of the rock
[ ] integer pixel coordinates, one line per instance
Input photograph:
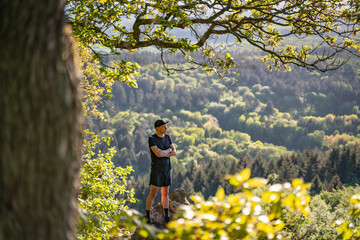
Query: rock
(179, 196)
(176, 199)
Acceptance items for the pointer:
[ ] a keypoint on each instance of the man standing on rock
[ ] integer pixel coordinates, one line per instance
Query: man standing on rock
(161, 149)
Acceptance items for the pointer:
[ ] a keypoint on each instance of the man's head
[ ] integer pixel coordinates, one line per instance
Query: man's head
(160, 126)
(159, 123)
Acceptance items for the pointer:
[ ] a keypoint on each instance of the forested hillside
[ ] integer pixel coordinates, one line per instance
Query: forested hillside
(278, 124)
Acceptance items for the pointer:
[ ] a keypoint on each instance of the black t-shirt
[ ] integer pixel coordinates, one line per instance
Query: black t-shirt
(160, 163)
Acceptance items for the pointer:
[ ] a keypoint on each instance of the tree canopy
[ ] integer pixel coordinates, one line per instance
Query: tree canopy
(188, 26)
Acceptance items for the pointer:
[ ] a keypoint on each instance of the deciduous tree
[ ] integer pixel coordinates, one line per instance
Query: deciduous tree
(189, 25)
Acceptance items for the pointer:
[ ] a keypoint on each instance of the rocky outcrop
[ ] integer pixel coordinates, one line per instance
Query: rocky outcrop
(176, 199)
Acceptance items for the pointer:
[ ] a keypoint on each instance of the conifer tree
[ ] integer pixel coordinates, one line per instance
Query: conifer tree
(316, 185)
(353, 166)
(332, 162)
(188, 186)
(345, 168)
(312, 167)
(335, 183)
(286, 168)
(257, 168)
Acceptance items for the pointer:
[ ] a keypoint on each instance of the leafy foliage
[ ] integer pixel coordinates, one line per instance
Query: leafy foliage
(189, 26)
(103, 189)
(103, 193)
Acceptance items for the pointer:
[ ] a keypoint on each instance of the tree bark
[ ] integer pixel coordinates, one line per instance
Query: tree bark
(40, 122)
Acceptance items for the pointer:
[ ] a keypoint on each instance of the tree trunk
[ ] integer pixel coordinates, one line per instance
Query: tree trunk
(40, 123)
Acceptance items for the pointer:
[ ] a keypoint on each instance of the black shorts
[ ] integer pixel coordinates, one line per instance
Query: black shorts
(160, 179)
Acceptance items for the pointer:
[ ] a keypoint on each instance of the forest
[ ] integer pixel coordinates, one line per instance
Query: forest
(281, 125)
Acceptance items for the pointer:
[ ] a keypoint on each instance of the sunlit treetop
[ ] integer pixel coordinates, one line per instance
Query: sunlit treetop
(327, 28)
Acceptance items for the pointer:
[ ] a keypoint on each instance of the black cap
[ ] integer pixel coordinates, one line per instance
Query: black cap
(159, 123)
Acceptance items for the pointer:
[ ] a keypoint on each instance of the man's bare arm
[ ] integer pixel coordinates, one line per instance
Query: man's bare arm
(173, 150)
(162, 153)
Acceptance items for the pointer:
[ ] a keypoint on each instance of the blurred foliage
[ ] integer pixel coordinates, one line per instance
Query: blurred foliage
(255, 212)
(259, 210)
(350, 229)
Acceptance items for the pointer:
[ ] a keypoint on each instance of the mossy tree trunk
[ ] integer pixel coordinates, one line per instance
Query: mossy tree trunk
(40, 123)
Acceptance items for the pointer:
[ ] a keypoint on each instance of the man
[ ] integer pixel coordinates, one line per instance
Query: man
(161, 149)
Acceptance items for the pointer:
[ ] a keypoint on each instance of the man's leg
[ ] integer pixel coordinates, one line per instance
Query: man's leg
(150, 200)
(165, 196)
(165, 202)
